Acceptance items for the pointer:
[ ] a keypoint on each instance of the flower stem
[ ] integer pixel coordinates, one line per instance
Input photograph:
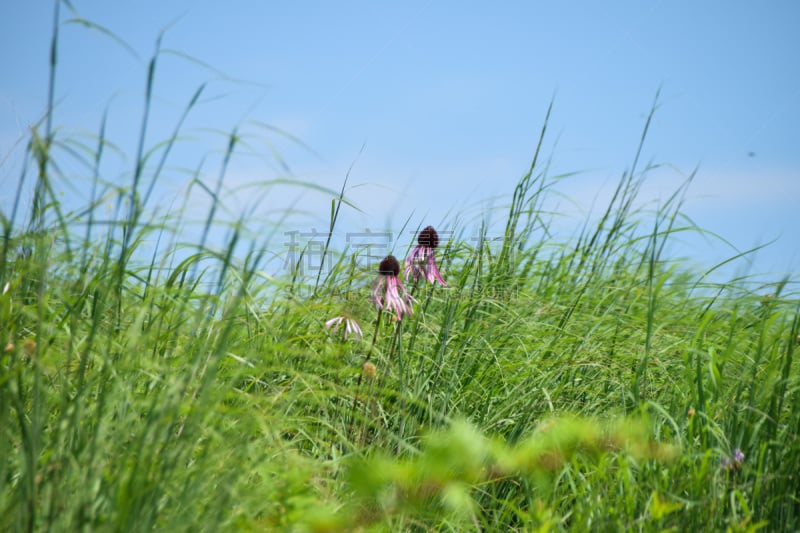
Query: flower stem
(361, 374)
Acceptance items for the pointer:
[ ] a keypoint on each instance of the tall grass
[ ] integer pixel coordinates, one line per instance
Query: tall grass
(587, 384)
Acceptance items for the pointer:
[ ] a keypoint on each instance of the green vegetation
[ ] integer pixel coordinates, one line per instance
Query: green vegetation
(586, 385)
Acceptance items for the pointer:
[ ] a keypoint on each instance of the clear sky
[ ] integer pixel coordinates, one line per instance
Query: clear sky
(437, 105)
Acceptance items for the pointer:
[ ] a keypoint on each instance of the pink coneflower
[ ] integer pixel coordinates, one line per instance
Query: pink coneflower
(422, 261)
(389, 293)
(351, 327)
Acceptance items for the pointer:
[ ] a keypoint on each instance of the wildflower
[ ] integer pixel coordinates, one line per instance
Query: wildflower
(389, 293)
(735, 462)
(350, 326)
(422, 261)
(370, 371)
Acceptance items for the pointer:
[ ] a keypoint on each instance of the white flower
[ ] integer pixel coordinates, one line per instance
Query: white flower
(351, 327)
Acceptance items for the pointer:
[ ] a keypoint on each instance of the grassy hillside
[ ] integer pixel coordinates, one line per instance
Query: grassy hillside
(591, 384)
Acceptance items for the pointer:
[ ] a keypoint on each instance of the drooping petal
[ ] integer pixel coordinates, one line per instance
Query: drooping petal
(378, 290)
(334, 323)
(433, 271)
(397, 299)
(415, 263)
(352, 327)
(393, 300)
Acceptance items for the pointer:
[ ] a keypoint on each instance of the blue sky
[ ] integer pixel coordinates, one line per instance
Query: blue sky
(437, 105)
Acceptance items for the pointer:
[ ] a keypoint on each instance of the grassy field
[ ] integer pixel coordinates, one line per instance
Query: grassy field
(590, 384)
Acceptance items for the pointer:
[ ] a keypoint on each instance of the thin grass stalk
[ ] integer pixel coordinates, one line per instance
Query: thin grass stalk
(336, 204)
(135, 209)
(361, 375)
(518, 201)
(171, 142)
